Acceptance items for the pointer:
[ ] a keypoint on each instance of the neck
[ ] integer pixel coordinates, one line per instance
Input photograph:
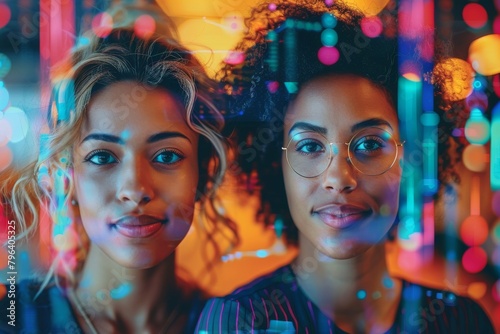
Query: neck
(357, 293)
(110, 293)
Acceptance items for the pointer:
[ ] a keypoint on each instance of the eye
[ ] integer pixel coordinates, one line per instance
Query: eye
(369, 144)
(168, 157)
(101, 157)
(308, 146)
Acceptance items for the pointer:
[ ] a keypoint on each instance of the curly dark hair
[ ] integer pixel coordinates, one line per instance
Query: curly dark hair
(281, 54)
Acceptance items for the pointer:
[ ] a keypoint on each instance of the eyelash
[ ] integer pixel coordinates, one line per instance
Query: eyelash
(93, 154)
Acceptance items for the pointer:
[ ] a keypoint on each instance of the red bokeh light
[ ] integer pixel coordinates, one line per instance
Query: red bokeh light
(475, 15)
(474, 259)
(4, 15)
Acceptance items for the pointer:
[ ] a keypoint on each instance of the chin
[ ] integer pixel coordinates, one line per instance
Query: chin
(343, 250)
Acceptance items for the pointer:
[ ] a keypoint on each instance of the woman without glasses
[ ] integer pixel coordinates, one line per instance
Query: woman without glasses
(134, 144)
(334, 172)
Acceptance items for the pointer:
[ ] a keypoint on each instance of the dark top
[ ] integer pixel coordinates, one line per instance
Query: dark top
(51, 312)
(275, 304)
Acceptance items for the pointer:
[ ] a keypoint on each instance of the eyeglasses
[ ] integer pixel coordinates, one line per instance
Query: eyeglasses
(372, 151)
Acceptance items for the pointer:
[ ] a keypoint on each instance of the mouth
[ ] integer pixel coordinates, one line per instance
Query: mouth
(341, 217)
(143, 226)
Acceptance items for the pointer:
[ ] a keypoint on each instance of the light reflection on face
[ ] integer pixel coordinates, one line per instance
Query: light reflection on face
(135, 176)
(342, 212)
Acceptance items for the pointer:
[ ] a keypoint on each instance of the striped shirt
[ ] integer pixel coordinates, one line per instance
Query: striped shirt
(275, 304)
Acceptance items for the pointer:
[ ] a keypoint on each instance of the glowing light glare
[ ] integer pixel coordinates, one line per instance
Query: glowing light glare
(328, 55)
(477, 290)
(411, 76)
(371, 26)
(5, 65)
(102, 24)
(144, 26)
(272, 86)
(483, 55)
(474, 158)
(234, 58)
(474, 15)
(5, 15)
(474, 260)
(361, 294)
(4, 98)
(413, 242)
(455, 76)
(474, 230)
(495, 204)
(5, 132)
(3, 289)
(272, 7)
(5, 157)
(18, 123)
(477, 130)
(4, 256)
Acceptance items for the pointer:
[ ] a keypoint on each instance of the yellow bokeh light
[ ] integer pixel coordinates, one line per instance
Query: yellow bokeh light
(484, 54)
(369, 7)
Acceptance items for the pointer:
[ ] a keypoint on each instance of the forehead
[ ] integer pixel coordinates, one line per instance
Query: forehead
(341, 100)
(128, 105)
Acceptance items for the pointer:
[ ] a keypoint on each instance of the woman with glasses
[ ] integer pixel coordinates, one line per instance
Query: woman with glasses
(326, 95)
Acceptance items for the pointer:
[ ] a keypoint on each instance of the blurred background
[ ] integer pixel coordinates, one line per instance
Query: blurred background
(448, 241)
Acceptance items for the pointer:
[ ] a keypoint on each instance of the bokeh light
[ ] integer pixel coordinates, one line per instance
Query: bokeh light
(477, 290)
(5, 132)
(479, 83)
(474, 158)
(233, 22)
(368, 7)
(144, 26)
(409, 260)
(495, 256)
(4, 97)
(329, 21)
(496, 84)
(371, 26)
(4, 256)
(5, 157)
(329, 37)
(18, 122)
(483, 54)
(102, 24)
(495, 291)
(495, 203)
(3, 290)
(5, 65)
(477, 128)
(272, 7)
(496, 25)
(474, 260)
(474, 230)
(5, 15)
(235, 58)
(455, 77)
(474, 15)
(477, 99)
(328, 55)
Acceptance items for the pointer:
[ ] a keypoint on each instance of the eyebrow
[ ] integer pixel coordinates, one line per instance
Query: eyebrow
(370, 122)
(152, 139)
(308, 127)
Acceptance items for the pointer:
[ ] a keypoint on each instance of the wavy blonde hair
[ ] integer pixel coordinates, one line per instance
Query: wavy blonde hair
(152, 62)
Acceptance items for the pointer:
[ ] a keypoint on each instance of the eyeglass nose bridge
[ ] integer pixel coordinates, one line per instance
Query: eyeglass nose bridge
(334, 151)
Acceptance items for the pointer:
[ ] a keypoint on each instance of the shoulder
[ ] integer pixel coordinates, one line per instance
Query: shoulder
(248, 307)
(431, 309)
(37, 310)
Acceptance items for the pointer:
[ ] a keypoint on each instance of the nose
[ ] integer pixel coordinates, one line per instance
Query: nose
(340, 175)
(135, 184)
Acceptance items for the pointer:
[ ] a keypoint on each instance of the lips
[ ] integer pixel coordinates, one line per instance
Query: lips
(143, 226)
(341, 216)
